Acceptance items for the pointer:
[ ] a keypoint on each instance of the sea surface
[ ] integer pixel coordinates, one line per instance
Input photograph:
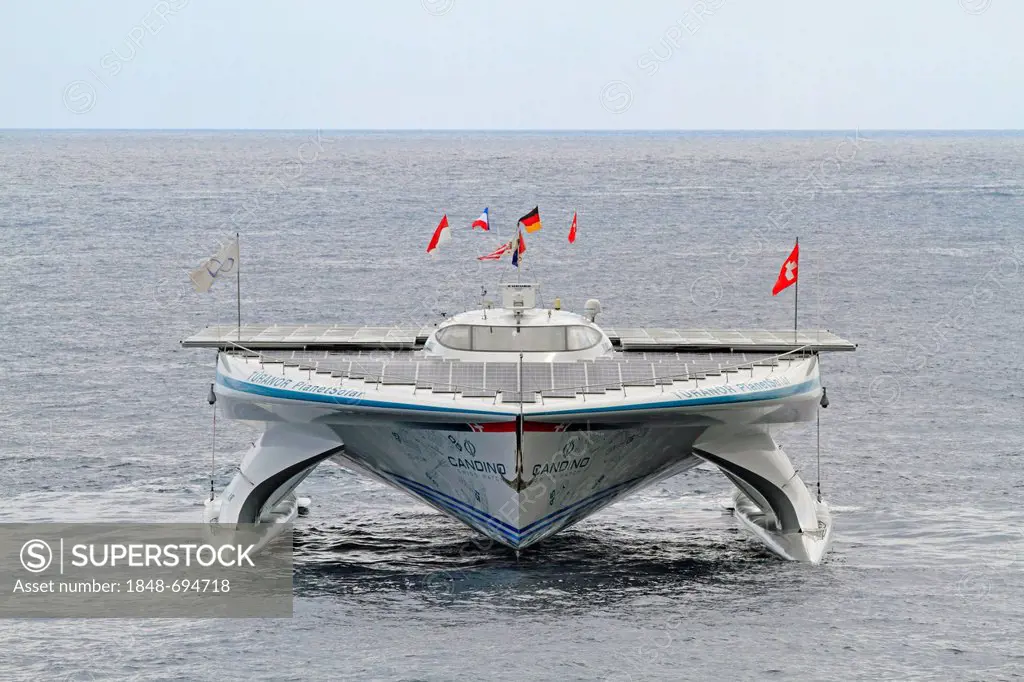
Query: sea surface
(912, 245)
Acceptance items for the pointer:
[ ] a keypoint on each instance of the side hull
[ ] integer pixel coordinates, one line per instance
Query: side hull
(772, 501)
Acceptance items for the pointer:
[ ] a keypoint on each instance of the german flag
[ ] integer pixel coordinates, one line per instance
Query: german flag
(531, 221)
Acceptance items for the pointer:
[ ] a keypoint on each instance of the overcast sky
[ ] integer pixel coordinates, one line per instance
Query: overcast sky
(503, 64)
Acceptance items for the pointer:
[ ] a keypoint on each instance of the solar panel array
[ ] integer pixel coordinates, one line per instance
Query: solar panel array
(350, 337)
(512, 382)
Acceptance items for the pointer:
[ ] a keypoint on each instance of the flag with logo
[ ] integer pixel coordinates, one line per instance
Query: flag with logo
(219, 266)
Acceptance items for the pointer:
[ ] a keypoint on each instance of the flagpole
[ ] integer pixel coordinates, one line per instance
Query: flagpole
(238, 286)
(515, 251)
(796, 296)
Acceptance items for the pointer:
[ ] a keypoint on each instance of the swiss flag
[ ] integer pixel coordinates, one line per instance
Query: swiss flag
(788, 274)
(572, 229)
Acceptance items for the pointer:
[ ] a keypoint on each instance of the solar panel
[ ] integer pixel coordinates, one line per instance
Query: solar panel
(502, 376)
(400, 372)
(516, 397)
(664, 376)
(637, 374)
(478, 393)
(468, 375)
(372, 332)
(559, 393)
(444, 383)
(433, 374)
(568, 375)
(669, 370)
(550, 380)
(536, 376)
(605, 375)
(367, 370)
(263, 337)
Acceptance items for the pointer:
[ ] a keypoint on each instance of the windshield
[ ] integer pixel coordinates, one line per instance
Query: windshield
(516, 339)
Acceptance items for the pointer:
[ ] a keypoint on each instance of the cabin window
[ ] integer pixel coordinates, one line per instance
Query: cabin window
(578, 337)
(455, 336)
(518, 339)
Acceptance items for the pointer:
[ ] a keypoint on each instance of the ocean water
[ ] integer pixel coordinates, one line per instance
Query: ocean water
(911, 245)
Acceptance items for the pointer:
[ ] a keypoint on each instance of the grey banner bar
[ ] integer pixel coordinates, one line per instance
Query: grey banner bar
(112, 570)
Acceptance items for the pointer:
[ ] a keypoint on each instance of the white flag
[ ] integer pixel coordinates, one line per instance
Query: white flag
(225, 263)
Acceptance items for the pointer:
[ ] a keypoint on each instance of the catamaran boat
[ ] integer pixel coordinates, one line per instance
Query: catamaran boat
(520, 420)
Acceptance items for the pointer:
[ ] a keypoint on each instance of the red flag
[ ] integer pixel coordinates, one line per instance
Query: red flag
(441, 234)
(788, 273)
(572, 229)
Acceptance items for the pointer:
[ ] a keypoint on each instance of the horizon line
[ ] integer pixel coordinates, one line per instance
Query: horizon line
(529, 130)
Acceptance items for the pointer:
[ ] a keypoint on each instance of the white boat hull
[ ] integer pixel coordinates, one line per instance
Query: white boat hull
(519, 474)
(472, 475)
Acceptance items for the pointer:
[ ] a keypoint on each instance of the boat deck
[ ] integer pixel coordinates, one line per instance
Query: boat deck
(615, 372)
(629, 339)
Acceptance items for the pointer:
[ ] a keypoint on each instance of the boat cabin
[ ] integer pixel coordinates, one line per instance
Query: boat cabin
(501, 334)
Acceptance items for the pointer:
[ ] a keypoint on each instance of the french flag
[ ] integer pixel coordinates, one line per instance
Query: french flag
(483, 222)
